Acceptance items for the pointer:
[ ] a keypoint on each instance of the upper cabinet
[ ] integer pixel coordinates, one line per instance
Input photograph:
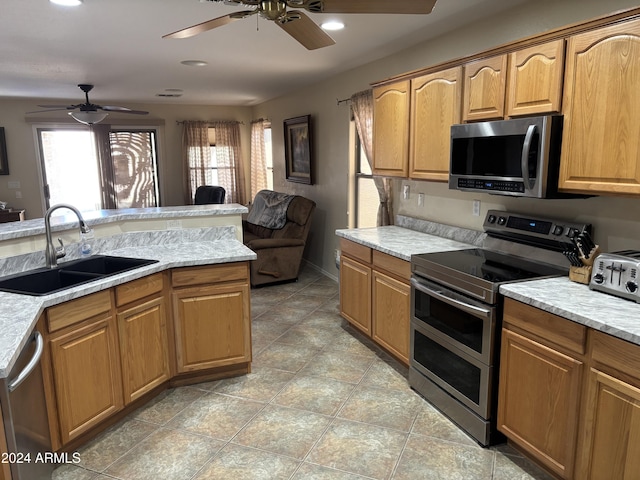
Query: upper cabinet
(391, 129)
(535, 79)
(484, 89)
(600, 144)
(436, 100)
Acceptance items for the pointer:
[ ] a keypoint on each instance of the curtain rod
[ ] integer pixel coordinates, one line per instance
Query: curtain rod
(260, 120)
(211, 124)
(344, 100)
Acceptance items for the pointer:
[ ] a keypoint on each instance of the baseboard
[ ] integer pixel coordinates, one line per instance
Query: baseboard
(318, 269)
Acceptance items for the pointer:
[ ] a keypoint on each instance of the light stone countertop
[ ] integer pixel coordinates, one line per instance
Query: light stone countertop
(180, 248)
(609, 314)
(27, 228)
(574, 301)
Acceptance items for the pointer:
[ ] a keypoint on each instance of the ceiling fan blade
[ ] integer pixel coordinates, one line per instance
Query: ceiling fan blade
(372, 6)
(305, 31)
(50, 109)
(70, 107)
(111, 108)
(208, 25)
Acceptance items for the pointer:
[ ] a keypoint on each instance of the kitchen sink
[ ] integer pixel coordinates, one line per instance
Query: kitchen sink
(44, 281)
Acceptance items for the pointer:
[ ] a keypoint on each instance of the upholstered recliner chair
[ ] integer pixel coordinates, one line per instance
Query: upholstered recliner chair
(276, 229)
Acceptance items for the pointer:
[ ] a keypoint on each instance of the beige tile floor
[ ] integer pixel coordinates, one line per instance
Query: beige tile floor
(322, 402)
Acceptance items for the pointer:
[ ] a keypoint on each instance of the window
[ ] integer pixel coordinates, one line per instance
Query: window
(366, 195)
(99, 168)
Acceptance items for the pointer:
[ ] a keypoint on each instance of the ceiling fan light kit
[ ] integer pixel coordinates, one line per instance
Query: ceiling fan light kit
(67, 3)
(88, 118)
(297, 24)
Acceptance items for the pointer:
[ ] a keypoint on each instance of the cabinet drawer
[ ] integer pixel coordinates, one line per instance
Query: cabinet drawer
(209, 274)
(392, 264)
(355, 250)
(616, 353)
(138, 289)
(548, 328)
(74, 311)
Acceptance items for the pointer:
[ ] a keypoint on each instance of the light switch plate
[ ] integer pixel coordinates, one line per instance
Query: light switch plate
(476, 208)
(405, 192)
(421, 199)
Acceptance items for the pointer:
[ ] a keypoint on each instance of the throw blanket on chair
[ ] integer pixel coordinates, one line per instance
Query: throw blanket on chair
(269, 209)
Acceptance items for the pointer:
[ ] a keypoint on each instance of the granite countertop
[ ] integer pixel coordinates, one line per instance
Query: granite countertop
(400, 242)
(576, 302)
(27, 228)
(180, 248)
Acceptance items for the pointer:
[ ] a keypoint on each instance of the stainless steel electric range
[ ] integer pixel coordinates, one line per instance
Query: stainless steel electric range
(456, 313)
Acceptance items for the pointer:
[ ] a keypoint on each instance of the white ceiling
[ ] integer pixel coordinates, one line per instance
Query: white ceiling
(46, 50)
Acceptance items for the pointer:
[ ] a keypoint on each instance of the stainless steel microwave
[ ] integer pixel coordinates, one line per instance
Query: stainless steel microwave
(518, 157)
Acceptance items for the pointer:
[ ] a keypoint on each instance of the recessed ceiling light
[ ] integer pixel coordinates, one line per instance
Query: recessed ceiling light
(332, 25)
(67, 3)
(194, 63)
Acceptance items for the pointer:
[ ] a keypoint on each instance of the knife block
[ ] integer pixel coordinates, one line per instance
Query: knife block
(583, 274)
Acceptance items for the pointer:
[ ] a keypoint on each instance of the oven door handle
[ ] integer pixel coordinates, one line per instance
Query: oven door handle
(472, 309)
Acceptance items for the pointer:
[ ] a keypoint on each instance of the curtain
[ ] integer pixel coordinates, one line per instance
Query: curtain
(229, 159)
(196, 156)
(258, 157)
(362, 108)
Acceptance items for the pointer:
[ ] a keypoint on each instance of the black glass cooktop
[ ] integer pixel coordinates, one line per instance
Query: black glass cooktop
(487, 265)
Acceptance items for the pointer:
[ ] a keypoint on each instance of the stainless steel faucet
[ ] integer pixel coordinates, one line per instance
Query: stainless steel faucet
(51, 253)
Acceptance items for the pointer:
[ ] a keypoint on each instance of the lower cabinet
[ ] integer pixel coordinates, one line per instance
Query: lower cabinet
(609, 446)
(142, 332)
(106, 350)
(211, 310)
(85, 366)
(375, 296)
(575, 410)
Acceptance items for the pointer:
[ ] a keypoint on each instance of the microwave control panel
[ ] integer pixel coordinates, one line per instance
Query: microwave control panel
(490, 185)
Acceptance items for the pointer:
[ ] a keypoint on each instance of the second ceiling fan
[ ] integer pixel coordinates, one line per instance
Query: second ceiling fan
(297, 24)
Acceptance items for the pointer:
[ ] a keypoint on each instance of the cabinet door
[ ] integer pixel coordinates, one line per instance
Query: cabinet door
(538, 401)
(601, 134)
(610, 446)
(436, 103)
(143, 348)
(212, 326)
(535, 79)
(391, 130)
(355, 294)
(87, 378)
(391, 314)
(484, 89)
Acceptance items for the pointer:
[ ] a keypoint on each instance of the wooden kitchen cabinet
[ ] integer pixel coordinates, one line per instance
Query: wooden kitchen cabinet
(391, 306)
(211, 311)
(601, 134)
(375, 296)
(540, 384)
(355, 285)
(436, 104)
(610, 435)
(85, 364)
(535, 79)
(391, 129)
(142, 332)
(484, 89)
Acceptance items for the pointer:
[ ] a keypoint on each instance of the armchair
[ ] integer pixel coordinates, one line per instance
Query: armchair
(209, 194)
(279, 250)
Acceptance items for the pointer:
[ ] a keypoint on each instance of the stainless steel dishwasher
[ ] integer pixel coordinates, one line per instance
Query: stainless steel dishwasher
(25, 415)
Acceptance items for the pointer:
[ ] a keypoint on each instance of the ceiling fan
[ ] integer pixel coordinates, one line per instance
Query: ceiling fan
(88, 113)
(298, 24)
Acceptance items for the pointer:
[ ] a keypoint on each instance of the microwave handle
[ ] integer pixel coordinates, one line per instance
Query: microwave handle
(531, 130)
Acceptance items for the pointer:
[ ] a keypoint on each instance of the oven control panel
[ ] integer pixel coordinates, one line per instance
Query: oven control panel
(617, 274)
(549, 232)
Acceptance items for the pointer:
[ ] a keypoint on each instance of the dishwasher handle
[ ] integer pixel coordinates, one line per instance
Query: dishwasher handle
(33, 362)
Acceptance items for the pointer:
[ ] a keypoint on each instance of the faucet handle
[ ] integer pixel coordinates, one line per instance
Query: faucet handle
(60, 251)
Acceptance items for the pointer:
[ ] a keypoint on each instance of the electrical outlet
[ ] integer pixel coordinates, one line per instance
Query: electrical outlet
(174, 224)
(476, 208)
(421, 199)
(18, 194)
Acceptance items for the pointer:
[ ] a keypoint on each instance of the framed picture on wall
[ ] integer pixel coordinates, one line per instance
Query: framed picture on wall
(4, 161)
(298, 149)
